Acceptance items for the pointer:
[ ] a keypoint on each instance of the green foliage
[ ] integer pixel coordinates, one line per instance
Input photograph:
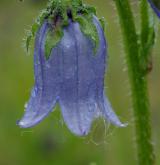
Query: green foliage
(103, 22)
(58, 12)
(89, 29)
(35, 26)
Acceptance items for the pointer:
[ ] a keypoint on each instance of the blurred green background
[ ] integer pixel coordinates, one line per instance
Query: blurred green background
(50, 142)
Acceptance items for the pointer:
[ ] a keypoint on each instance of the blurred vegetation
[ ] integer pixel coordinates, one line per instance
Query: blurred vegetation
(50, 142)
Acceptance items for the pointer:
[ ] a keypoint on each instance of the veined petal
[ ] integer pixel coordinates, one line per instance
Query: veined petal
(79, 91)
(99, 67)
(47, 81)
(108, 112)
(81, 97)
(155, 4)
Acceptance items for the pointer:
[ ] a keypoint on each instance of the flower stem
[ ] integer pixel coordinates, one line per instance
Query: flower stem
(136, 52)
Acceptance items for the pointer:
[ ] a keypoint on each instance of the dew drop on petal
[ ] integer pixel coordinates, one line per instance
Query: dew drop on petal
(33, 93)
(67, 46)
(48, 65)
(26, 105)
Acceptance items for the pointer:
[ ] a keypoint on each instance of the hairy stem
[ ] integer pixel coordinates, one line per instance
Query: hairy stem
(138, 79)
(144, 22)
(147, 36)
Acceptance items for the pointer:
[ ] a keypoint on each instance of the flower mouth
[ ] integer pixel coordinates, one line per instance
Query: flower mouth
(69, 14)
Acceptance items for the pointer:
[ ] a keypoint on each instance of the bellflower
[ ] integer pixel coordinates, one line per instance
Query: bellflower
(155, 4)
(71, 74)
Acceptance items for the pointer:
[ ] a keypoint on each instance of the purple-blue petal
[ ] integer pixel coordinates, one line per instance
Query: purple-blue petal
(155, 8)
(47, 82)
(99, 68)
(82, 99)
(78, 93)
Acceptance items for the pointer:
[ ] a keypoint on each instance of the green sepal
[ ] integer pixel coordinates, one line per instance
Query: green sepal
(89, 29)
(90, 9)
(56, 14)
(28, 40)
(52, 39)
(102, 22)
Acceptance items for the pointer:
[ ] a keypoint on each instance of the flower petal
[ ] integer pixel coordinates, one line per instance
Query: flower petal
(109, 113)
(99, 66)
(47, 81)
(156, 6)
(79, 91)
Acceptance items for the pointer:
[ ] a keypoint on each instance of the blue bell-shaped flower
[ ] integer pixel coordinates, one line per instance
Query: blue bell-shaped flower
(72, 75)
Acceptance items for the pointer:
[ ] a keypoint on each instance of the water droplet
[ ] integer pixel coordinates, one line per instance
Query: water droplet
(26, 105)
(35, 89)
(48, 65)
(67, 45)
(33, 93)
(91, 107)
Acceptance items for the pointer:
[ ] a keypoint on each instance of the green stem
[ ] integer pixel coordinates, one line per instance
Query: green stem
(144, 22)
(138, 82)
(146, 37)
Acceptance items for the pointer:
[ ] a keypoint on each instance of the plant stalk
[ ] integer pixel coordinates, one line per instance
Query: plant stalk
(138, 79)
